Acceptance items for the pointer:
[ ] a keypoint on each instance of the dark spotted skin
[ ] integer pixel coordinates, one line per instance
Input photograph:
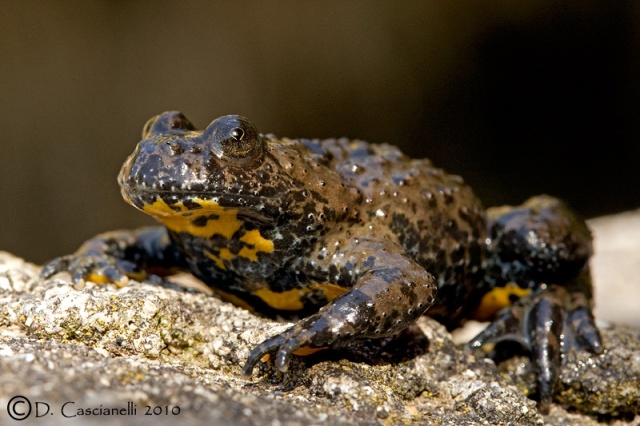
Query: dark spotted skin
(355, 238)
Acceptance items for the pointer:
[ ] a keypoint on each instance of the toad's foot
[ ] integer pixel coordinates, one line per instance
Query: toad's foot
(547, 324)
(94, 268)
(115, 257)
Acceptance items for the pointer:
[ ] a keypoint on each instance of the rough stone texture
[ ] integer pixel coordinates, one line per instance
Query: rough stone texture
(102, 346)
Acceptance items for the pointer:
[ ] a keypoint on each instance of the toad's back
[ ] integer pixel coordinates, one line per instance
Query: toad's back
(433, 215)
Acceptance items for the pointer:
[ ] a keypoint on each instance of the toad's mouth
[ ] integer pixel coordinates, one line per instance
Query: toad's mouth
(137, 191)
(184, 200)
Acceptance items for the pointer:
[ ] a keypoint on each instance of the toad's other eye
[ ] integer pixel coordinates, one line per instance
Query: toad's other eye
(235, 139)
(170, 122)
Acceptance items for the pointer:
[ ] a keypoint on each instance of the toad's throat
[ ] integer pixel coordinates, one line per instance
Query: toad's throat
(206, 219)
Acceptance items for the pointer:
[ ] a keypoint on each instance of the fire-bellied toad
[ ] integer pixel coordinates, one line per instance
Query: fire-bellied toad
(356, 238)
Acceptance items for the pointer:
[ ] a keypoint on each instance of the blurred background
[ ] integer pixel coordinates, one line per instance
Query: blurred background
(519, 98)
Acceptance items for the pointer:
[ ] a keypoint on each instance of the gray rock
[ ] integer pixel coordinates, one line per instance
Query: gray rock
(176, 356)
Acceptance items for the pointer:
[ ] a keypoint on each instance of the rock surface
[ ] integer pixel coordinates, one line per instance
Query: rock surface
(168, 355)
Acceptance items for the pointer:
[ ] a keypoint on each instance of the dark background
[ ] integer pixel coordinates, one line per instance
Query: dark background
(518, 97)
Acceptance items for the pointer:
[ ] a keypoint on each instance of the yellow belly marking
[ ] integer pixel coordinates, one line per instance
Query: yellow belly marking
(497, 299)
(292, 300)
(330, 291)
(226, 224)
(97, 278)
(258, 242)
(303, 351)
(306, 351)
(212, 219)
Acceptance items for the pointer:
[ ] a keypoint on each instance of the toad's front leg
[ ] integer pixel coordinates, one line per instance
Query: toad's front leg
(392, 293)
(115, 256)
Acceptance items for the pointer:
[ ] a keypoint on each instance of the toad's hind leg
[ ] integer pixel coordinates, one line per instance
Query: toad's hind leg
(389, 296)
(544, 247)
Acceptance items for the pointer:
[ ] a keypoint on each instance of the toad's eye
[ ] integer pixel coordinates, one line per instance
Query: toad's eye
(235, 139)
(236, 145)
(237, 134)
